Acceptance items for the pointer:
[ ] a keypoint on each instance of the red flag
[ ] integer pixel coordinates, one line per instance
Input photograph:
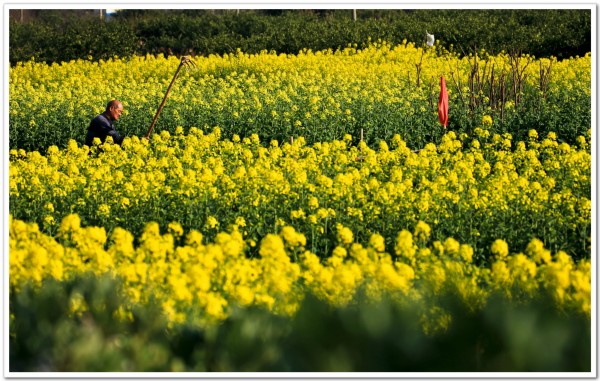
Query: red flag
(443, 103)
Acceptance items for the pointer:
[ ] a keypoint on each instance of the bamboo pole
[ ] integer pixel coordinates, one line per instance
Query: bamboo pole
(162, 104)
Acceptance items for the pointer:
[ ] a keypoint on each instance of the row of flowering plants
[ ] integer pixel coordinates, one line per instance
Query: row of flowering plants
(199, 281)
(475, 189)
(381, 90)
(203, 224)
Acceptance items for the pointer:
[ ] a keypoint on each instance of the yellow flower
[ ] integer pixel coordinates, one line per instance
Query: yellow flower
(194, 239)
(272, 246)
(292, 238)
(49, 207)
(466, 252)
(240, 221)
(486, 121)
(377, 242)
(533, 134)
(535, 249)
(339, 252)
(104, 210)
(522, 268)
(49, 220)
(244, 295)
(297, 214)
(269, 185)
(71, 223)
(404, 245)
(500, 274)
(500, 248)
(344, 234)
(211, 222)
(125, 202)
(422, 231)
(175, 229)
(452, 247)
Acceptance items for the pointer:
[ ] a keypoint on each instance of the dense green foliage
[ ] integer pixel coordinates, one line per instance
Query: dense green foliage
(560, 32)
(54, 39)
(367, 337)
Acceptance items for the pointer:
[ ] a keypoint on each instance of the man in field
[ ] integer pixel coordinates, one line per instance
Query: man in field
(103, 125)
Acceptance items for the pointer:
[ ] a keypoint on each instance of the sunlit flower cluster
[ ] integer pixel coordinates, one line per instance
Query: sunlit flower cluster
(474, 189)
(203, 281)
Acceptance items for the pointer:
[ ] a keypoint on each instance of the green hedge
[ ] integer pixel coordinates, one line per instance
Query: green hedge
(542, 33)
(54, 40)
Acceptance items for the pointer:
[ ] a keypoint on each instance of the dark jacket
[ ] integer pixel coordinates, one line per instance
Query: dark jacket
(101, 127)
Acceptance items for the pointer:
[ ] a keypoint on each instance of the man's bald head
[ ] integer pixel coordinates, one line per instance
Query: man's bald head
(113, 103)
(114, 109)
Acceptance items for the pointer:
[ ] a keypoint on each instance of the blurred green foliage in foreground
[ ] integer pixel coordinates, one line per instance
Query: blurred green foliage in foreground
(367, 337)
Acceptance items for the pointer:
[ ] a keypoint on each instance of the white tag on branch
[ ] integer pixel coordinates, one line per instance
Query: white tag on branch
(430, 39)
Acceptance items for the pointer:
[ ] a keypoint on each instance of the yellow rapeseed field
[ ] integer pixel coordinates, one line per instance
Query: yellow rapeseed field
(317, 95)
(211, 278)
(222, 208)
(244, 224)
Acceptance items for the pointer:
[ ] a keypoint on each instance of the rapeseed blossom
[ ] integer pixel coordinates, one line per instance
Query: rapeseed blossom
(316, 188)
(486, 121)
(318, 95)
(202, 223)
(210, 278)
(500, 248)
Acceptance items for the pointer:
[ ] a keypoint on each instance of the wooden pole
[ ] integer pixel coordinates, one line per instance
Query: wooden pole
(162, 104)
